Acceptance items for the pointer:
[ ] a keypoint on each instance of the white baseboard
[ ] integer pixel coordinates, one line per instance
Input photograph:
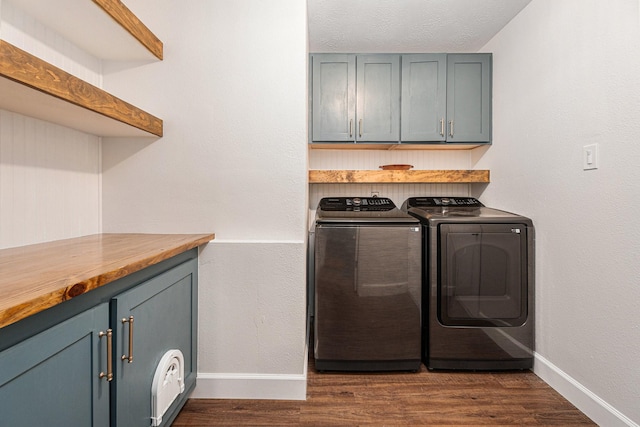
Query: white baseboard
(250, 386)
(582, 398)
(254, 386)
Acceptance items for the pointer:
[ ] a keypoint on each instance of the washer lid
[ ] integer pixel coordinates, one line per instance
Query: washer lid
(461, 215)
(457, 209)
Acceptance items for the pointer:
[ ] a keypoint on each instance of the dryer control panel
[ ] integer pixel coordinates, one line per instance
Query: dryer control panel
(423, 202)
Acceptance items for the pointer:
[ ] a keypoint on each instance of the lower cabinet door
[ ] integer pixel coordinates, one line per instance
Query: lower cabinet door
(153, 318)
(53, 378)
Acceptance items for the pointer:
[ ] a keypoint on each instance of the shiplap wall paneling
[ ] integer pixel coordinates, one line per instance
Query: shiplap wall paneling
(373, 159)
(49, 181)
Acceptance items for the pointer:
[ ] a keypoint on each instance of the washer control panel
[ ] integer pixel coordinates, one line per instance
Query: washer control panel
(356, 203)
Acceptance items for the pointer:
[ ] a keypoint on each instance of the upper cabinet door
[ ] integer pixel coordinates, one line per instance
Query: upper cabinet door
(424, 97)
(378, 106)
(334, 97)
(469, 97)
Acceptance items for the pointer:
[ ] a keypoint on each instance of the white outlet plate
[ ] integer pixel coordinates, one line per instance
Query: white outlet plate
(590, 157)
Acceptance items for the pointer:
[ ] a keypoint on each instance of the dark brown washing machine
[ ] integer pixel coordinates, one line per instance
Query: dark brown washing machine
(478, 285)
(368, 256)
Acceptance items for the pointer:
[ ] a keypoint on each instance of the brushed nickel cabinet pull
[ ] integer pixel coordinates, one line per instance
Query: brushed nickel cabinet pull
(109, 374)
(360, 127)
(450, 127)
(441, 127)
(124, 357)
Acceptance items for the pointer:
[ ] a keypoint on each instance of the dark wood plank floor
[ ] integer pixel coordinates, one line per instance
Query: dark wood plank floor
(419, 399)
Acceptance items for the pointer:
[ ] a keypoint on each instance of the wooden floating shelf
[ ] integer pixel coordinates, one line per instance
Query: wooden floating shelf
(108, 29)
(397, 176)
(35, 88)
(131, 24)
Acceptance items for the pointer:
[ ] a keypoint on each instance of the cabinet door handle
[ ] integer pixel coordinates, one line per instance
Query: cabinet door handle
(360, 127)
(124, 357)
(350, 128)
(109, 374)
(450, 127)
(441, 127)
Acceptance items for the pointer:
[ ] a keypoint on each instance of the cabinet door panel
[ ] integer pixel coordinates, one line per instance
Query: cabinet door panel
(378, 93)
(334, 82)
(52, 378)
(424, 97)
(469, 98)
(164, 310)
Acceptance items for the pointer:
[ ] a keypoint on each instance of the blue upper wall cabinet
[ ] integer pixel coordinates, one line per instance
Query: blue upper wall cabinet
(355, 98)
(469, 98)
(378, 95)
(401, 99)
(424, 97)
(334, 97)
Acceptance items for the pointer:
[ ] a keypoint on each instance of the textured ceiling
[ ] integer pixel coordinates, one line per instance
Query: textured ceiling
(407, 25)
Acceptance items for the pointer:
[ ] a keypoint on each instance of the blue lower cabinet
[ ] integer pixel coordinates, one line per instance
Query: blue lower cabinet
(163, 311)
(53, 378)
(63, 376)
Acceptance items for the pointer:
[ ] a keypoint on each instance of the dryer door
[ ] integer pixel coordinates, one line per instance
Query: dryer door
(483, 274)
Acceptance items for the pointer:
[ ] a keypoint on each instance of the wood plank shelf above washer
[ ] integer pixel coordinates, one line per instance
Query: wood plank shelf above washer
(35, 88)
(398, 176)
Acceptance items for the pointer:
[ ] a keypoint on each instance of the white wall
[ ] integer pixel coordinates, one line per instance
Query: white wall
(233, 160)
(567, 74)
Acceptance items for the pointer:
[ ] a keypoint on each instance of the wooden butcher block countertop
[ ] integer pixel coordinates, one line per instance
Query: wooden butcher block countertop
(36, 277)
